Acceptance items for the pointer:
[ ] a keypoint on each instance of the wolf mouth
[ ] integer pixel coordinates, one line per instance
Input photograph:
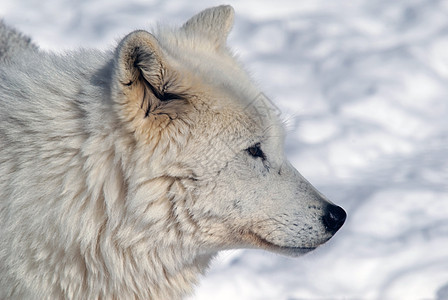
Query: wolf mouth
(287, 250)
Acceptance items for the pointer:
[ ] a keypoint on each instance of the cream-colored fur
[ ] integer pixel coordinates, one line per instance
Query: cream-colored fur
(124, 172)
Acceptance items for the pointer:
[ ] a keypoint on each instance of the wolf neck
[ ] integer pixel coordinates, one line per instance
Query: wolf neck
(136, 272)
(150, 274)
(136, 249)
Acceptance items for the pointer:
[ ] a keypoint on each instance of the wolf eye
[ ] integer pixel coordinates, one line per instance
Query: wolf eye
(255, 151)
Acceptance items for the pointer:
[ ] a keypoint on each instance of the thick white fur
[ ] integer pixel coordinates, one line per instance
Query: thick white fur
(108, 192)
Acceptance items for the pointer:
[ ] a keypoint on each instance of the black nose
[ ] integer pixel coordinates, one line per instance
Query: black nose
(334, 218)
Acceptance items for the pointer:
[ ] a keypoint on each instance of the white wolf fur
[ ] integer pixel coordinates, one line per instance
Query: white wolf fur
(124, 172)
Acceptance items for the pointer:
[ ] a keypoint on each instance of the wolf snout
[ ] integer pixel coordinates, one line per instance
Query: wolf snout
(334, 218)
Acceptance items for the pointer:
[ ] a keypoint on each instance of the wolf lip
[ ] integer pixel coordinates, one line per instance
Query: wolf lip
(286, 250)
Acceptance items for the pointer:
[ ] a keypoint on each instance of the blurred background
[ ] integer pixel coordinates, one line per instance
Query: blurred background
(362, 86)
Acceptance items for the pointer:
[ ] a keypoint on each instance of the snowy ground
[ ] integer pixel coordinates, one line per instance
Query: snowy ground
(363, 87)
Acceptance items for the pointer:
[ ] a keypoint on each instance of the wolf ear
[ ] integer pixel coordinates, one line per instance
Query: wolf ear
(143, 83)
(214, 23)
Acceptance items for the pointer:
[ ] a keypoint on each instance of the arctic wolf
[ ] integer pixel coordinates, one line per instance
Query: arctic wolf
(124, 172)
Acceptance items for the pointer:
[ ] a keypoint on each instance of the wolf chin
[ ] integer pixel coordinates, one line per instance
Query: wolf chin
(124, 172)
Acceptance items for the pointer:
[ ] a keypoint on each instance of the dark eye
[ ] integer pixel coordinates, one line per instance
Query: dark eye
(255, 151)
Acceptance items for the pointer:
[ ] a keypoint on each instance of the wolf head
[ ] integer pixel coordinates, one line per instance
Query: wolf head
(210, 154)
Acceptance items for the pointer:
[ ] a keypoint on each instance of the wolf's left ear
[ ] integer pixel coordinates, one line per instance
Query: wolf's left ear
(213, 23)
(144, 85)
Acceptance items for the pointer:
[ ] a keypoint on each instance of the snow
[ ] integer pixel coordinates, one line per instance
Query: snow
(363, 90)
